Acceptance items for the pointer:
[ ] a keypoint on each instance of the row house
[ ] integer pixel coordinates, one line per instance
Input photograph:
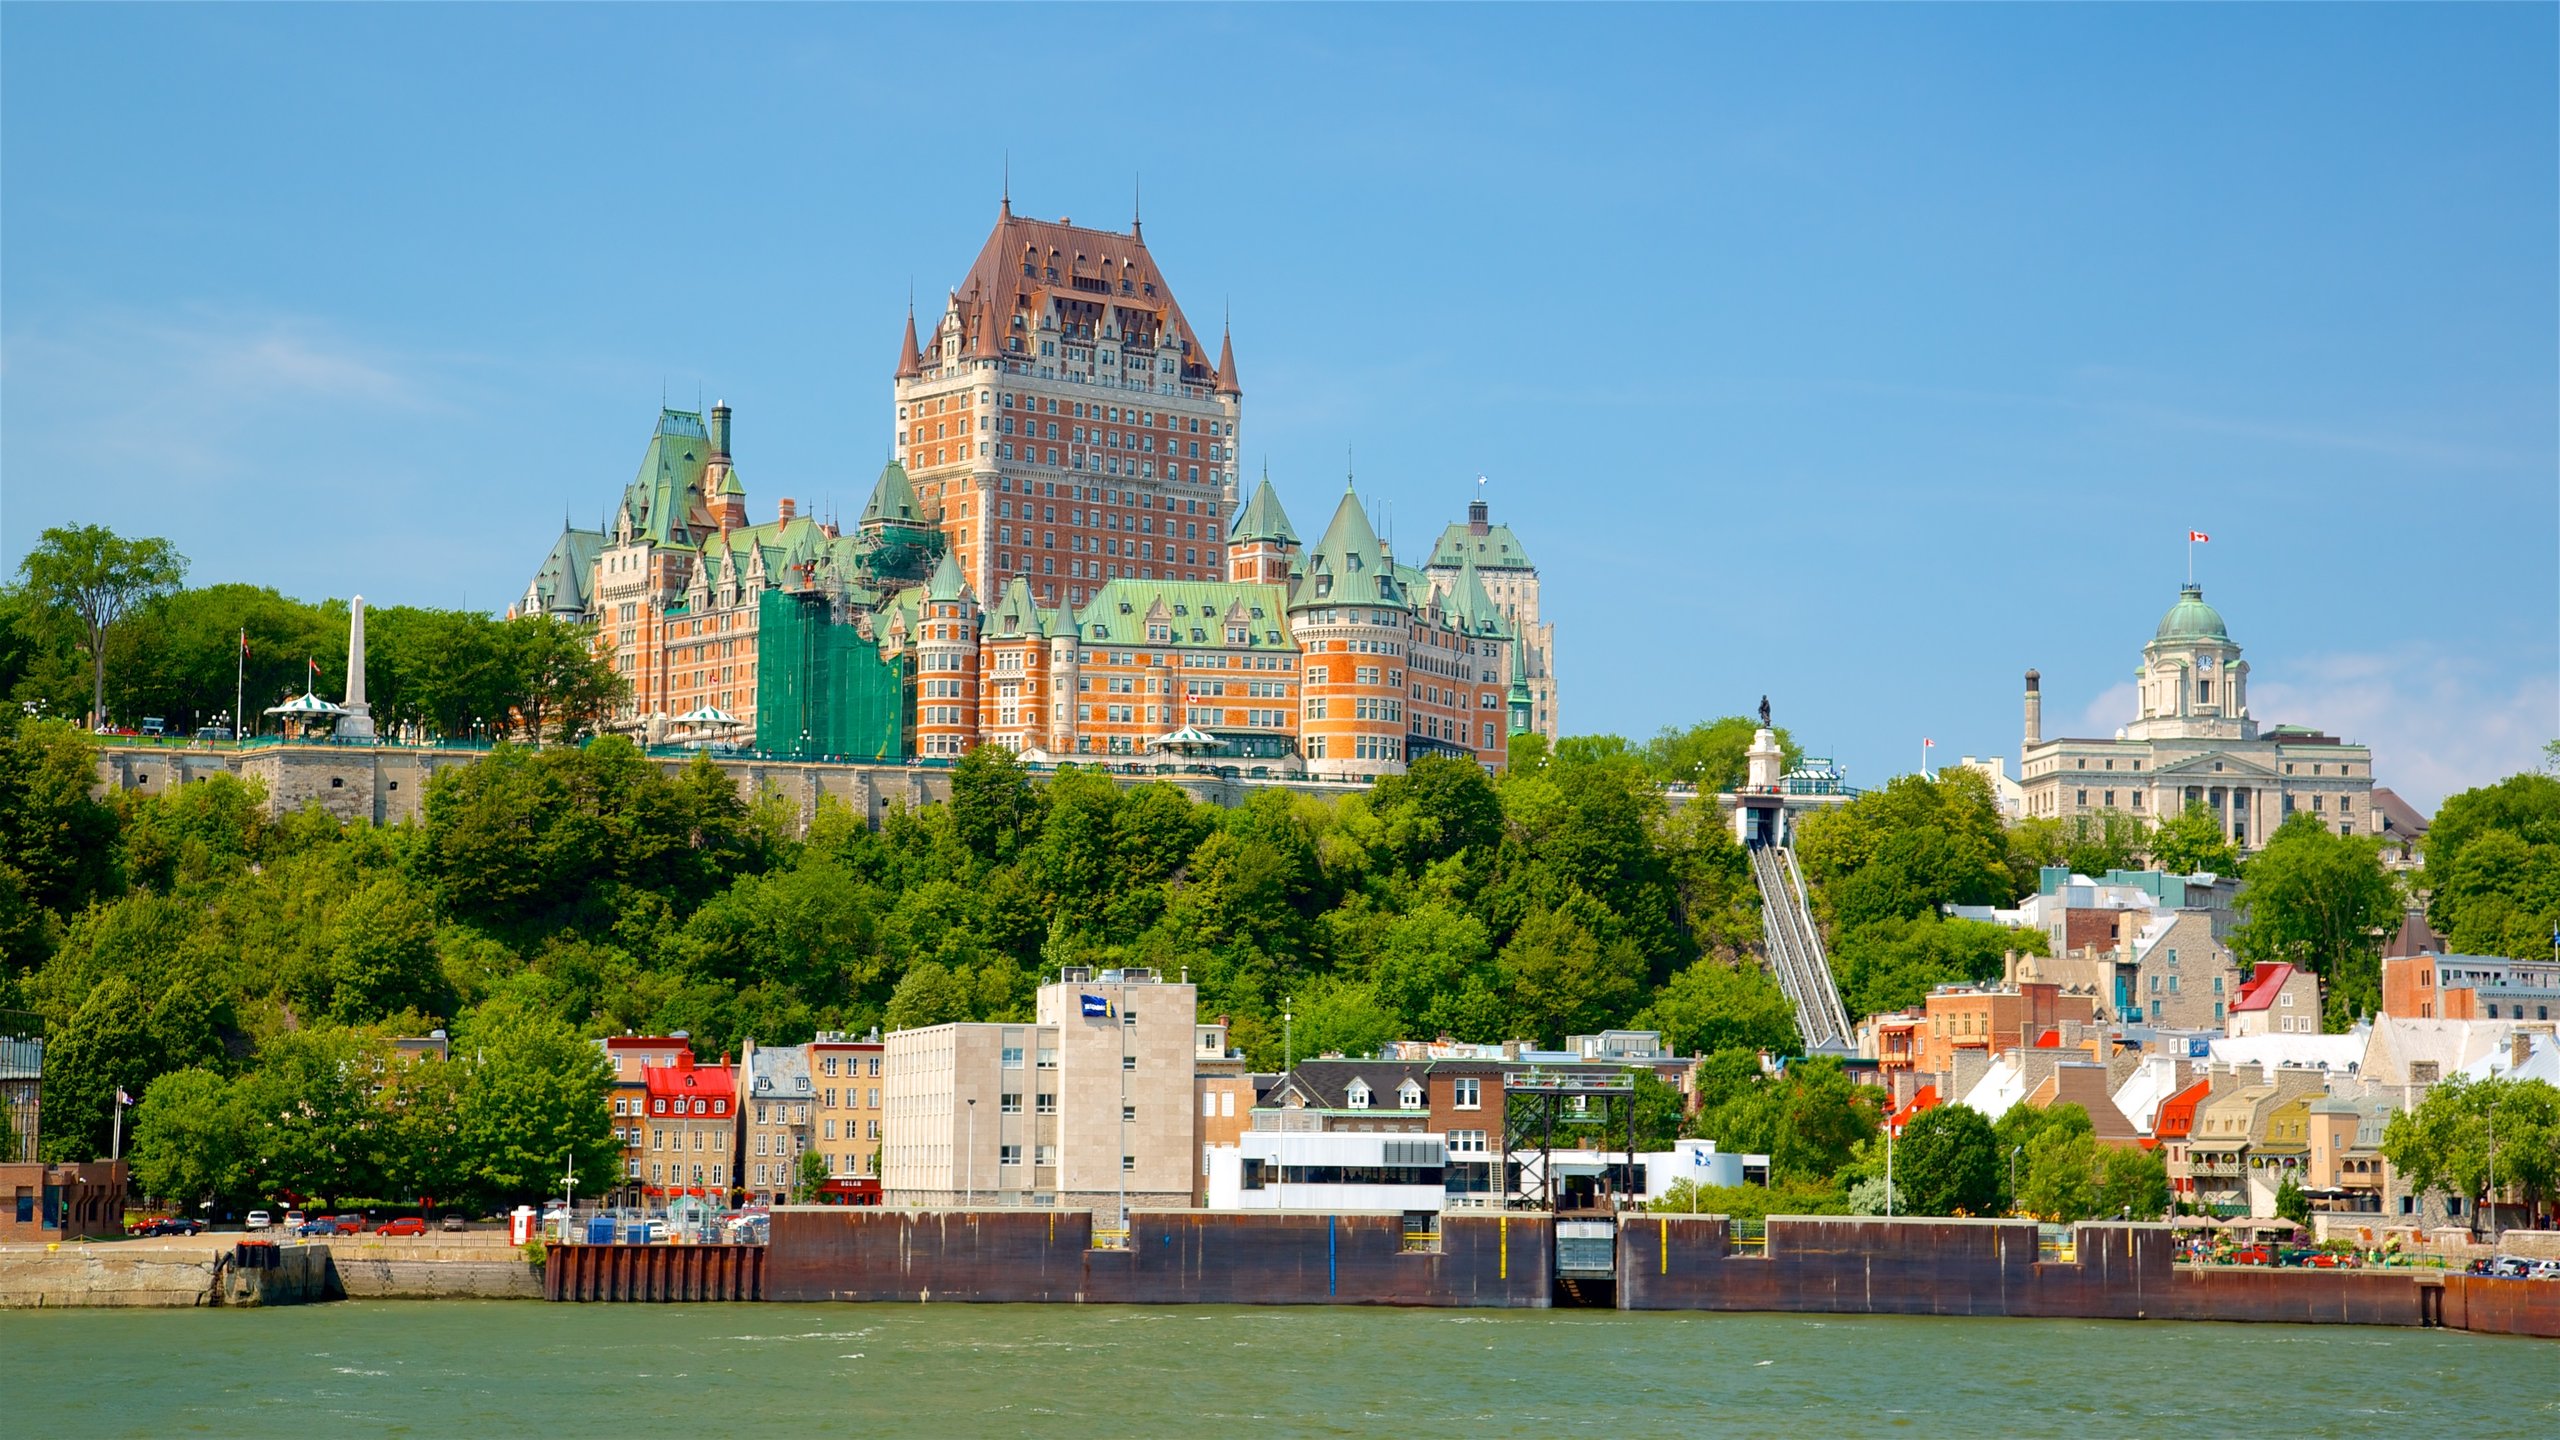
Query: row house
(2276, 999)
(850, 1126)
(776, 1114)
(630, 1058)
(2470, 987)
(689, 1129)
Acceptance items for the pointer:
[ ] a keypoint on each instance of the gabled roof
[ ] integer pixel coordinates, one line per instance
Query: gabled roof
(1262, 518)
(666, 499)
(1472, 608)
(1348, 566)
(2259, 990)
(1092, 267)
(687, 1079)
(560, 585)
(1016, 613)
(1326, 1084)
(1196, 612)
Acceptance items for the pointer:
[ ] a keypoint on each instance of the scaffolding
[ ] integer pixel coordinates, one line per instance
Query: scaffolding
(823, 691)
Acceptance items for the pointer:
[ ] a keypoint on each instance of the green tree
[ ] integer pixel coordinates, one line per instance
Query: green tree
(1717, 1006)
(1563, 979)
(1943, 1164)
(1711, 755)
(55, 837)
(1751, 1204)
(993, 807)
(1893, 964)
(121, 1036)
(2058, 1179)
(809, 1178)
(1810, 1121)
(2472, 1136)
(2321, 901)
(2493, 868)
(2292, 1204)
(2192, 842)
(535, 1104)
(2132, 1182)
(929, 994)
(97, 577)
(559, 686)
(186, 1139)
(2087, 844)
(310, 1126)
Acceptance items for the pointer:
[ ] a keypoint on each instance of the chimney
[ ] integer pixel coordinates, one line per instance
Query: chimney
(720, 428)
(1479, 519)
(790, 508)
(2035, 708)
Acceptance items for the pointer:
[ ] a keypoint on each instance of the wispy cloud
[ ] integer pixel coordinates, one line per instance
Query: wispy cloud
(185, 390)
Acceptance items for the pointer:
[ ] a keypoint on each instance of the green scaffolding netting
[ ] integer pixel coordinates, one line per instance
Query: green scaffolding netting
(822, 691)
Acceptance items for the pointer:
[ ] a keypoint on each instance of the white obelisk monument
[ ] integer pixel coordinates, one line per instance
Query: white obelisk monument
(357, 723)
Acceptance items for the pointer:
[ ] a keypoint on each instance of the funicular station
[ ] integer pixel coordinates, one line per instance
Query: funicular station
(1571, 1139)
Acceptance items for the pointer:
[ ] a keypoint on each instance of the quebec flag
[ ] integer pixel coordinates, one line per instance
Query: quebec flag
(1096, 1005)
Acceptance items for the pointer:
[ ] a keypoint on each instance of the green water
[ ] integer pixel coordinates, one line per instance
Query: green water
(496, 1368)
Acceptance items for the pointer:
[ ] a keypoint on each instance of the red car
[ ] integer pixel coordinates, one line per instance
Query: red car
(349, 1224)
(405, 1225)
(2251, 1255)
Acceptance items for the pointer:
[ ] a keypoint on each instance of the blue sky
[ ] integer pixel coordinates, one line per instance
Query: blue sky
(1858, 357)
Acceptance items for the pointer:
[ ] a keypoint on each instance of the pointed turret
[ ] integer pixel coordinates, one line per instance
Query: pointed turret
(947, 582)
(1262, 518)
(983, 346)
(1473, 606)
(1227, 365)
(910, 360)
(893, 500)
(1348, 566)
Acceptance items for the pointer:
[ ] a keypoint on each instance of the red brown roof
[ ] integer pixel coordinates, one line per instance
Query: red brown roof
(1095, 267)
(2260, 989)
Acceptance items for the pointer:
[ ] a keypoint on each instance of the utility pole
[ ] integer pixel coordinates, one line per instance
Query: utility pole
(969, 1196)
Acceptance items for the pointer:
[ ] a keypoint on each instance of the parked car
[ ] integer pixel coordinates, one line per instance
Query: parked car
(258, 1220)
(405, 1225)
(454, 1223)
(2543, 1270)
(167, 1225)
(293, 1219)
(349, 1224)
(2510, 1267)
(322, 1226)
(2251, 1255)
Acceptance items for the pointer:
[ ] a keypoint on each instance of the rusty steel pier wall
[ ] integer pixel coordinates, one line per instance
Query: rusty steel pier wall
(653, 1272)
(1170, 1258)
(1873, 1266)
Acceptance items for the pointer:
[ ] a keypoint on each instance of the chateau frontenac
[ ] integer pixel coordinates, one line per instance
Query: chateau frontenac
(1061, 560)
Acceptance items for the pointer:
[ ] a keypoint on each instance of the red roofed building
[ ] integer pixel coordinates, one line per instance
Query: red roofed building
(631, 1056)
(2169, 1132)
(2276, 1000)
(1926, 1099)
(689, 1128)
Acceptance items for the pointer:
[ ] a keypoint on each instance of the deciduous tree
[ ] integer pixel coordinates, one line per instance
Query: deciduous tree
(98, 577)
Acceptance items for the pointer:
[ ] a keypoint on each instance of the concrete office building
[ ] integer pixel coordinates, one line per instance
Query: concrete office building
(1091, 1105)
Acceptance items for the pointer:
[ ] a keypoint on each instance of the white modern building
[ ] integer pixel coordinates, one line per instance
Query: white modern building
(1329, 1171)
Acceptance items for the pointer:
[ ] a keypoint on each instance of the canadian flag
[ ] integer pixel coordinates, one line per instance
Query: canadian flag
(2197, 535)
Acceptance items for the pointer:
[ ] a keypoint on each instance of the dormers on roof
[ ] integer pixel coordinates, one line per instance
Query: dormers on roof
(893, 499)
(1262, 519)
(1348, 566)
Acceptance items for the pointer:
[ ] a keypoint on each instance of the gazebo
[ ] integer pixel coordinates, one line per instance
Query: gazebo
(713, 721)
(306, 711)
(1189, 742)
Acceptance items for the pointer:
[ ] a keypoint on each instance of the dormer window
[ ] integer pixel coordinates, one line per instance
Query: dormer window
(1409, 1095)
(1357, 1097)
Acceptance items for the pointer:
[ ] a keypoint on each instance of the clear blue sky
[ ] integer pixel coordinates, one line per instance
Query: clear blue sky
(1861, 357)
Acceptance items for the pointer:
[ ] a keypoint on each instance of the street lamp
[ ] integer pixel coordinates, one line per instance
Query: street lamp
(2014, 1152)
(970, 1196)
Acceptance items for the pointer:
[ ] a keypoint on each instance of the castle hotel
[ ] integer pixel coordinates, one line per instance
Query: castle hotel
(1062, 560)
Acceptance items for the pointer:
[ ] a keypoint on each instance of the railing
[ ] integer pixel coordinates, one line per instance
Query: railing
(1420, 1242)
(1748, 1237)
(1110, 1237)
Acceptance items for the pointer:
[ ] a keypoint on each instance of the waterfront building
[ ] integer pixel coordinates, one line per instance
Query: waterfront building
(776, 1116)
(849, 1128)
(630, 1057)
(2194, 741)
(1331, 1171)
(2276, 999)
(1088, 1106)
(43, 1204)
(689, 1129)
(1227, 1089)
(2469, 987)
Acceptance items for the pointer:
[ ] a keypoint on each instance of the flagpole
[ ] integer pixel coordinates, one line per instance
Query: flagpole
(239, 686)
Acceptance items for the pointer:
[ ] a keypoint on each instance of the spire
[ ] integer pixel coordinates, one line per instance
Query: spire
(910, 360)
(1262, 518)
(984, 346)
(1007, 208)
(946, 583)
(1227, 362)
(893, 500)
(1137, 193)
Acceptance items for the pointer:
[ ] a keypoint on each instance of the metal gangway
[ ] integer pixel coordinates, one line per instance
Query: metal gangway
(1795, 950)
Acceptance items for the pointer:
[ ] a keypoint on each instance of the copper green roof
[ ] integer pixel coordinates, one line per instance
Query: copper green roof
(1196, 613)
(947, 583)
(1348, 566)
(1262, 518)
(664, 496)
(1473, 608)
(893, 500)
(1496, 549)
(560, 585)
(1016, 613)
(2191, 618)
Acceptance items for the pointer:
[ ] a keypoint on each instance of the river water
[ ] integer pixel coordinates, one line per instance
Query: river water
(482, 1368)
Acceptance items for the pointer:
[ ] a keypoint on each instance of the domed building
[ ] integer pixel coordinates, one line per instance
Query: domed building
(2195, 742)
